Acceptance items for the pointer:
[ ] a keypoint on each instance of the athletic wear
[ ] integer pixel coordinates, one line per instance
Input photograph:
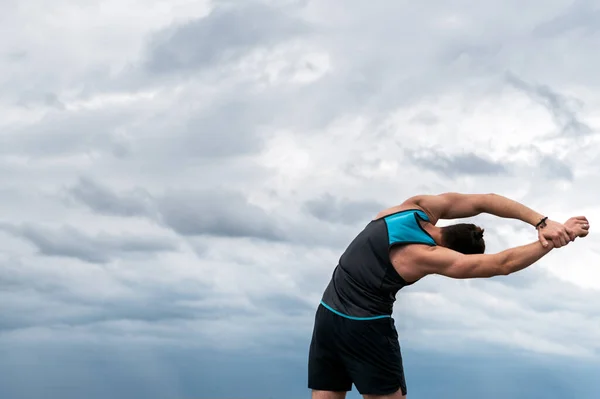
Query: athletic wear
(345, 351)
(354, 338)
(364, 283)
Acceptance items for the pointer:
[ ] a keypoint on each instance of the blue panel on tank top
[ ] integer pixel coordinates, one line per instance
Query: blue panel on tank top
(403, 227)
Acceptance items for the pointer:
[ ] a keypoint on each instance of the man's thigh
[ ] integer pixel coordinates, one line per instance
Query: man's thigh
(396, 395)
(328, 395)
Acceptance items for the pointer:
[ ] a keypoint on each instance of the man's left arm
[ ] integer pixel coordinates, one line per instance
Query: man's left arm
(457, 206)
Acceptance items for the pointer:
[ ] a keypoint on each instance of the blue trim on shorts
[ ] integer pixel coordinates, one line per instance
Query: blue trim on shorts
(353, 317)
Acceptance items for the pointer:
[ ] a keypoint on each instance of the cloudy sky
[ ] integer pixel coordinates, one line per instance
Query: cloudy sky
(180, 177)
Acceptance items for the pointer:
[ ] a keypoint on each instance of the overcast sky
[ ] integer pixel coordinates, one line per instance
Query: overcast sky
(179, 179)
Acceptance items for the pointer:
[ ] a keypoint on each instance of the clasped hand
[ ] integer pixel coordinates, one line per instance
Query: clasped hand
(560, 234)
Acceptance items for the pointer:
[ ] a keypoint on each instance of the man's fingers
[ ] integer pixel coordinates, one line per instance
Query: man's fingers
(568, 231)
(563, 238)
(579, 218)
(581, 225)
(585, 223)
(542, 239)
(573, 235)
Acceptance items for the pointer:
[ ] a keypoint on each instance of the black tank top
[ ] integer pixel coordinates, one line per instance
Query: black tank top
(364, 283)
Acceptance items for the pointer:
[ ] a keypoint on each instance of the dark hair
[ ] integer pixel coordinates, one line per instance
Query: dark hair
(465, 238)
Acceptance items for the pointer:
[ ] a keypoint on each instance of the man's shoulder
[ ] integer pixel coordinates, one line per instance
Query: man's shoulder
(404, 207)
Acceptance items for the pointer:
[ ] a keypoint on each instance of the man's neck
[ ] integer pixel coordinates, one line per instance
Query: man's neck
(434, 232)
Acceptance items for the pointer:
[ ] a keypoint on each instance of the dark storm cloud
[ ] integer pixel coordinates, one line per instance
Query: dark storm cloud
(102, 200)
(342, 210)
(71, 242)
(220, 213)
(44, 296)
(452, 165)
(560, 107)
(286, 304)
(223, 34)
(151, 309)
(50, 297)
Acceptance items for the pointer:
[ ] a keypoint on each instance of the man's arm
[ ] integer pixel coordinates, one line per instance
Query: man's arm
(449, 263)
(456, 206)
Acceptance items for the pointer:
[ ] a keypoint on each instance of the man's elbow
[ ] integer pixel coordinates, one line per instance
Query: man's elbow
(505, 265)
(497, 265)
(504, 271)
(493, 271)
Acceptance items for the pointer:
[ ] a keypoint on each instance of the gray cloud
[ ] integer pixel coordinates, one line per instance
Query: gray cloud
(151, 309)
(554, 168)
(222, 213)
(342, 210)
(560, 107)
(290, 305)
(34, 99)
(552, 165)
(102, 200)
(222, 35)
(16, 56)
(455, 164)
(42, 297)
(425, 118)
(223, 131)
(101, 248)
(579, 15)
(65, 133)
(227, 213)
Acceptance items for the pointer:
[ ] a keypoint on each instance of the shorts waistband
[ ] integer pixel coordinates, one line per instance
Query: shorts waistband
(353, 317)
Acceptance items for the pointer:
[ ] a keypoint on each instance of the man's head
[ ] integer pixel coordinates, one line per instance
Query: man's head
(465, 238)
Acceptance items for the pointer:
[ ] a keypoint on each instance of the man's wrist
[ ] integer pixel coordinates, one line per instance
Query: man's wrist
(535, 219)
(541, 222)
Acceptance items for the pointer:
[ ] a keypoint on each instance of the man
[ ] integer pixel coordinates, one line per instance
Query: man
(354, 338)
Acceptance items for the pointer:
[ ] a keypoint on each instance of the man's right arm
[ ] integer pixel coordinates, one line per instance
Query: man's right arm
(449, 263)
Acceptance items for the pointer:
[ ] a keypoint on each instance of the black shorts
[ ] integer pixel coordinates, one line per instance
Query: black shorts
(365, 353)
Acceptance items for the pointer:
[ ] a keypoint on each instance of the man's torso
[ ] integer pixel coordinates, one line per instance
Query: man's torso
(364, 283)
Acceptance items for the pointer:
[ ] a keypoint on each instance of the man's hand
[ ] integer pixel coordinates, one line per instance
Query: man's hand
(579, 226)
(558, 233)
